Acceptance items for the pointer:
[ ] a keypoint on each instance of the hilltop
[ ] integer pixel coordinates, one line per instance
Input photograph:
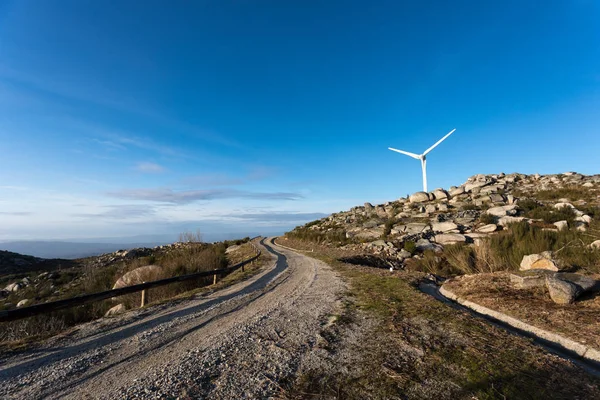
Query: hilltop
(404, 232)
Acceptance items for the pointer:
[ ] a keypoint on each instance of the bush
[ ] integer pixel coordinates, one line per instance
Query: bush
(488, 219)
(387, 229)
(551, 215)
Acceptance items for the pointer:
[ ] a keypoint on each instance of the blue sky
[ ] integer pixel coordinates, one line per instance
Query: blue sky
(128, 118)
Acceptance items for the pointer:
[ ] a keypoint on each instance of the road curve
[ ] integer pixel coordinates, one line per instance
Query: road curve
(242, 341)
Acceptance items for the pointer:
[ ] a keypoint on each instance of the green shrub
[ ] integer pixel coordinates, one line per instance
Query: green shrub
(410, 246)
(486, 218)
(551, 215)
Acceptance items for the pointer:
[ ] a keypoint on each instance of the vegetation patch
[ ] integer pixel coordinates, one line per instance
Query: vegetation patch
(421, 348)
(578, 321)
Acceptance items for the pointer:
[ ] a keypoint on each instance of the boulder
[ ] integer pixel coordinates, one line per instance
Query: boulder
(118, 309)
(13, 287)
(23, 303)
(139, 275)
(588, 184)
(502, 211)
(368, 206)
(539, 261)
(489, 228)
(446, 226)
(457, 191)
(558, 206)
(595, 245)
(424, 244)
(561, 225)
(496, 198)
(412, 228)
(440, 194)
(430, 208)
(583, 283)
(527, 281)
(449, 238)
(404, 254)
(505, 221)
(469, 187)
(561, 292)
(419, 197)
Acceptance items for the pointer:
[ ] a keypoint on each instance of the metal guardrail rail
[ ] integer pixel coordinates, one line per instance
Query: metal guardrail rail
(43, 308)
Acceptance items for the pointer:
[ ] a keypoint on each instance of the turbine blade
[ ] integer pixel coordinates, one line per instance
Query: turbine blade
(413, 155)
(438, 142)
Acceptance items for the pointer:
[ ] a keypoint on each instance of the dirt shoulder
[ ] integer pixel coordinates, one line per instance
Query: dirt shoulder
(578, 321)
(416, 347)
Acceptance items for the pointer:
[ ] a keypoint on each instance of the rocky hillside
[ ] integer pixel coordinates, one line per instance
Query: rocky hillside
(484, 206)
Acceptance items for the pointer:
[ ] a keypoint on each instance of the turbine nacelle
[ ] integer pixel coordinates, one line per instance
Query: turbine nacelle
(423, 157)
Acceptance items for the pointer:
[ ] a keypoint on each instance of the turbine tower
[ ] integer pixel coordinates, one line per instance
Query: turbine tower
(423, 157)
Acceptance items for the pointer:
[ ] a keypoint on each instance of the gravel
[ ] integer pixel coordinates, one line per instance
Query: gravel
(245, 341)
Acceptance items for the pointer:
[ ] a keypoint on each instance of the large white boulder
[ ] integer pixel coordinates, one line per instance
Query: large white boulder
(457, 191)
(419, 197)
(23, 303)
(489, 228)
(539, 261)
(501, 211)
(440, 194)
(561, 225)
(139, 275)
(445, 226)
(449, 238)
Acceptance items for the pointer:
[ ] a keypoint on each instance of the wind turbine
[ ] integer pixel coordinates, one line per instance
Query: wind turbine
(423, 157)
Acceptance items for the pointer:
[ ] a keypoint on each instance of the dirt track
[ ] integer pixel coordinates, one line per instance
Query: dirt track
(239, 342)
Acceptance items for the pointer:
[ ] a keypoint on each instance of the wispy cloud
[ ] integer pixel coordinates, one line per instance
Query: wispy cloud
(16, 213)
(188, 196)
(121, 212)
(111, 145)
(148, 167)
(221, 179)
(279, 216)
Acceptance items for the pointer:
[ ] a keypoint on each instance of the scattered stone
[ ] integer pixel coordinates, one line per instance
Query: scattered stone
(595, 245)
(507, 220)
(489, 228)
(446, 226)
(23, 303)
(118, 309)
(449, 238)
(502, 211)
(561, 225)
(558, 206)
(13, 287)
(561, 292)
(539, 261)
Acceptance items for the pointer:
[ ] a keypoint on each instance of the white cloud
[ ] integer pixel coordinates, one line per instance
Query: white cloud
(148, 167)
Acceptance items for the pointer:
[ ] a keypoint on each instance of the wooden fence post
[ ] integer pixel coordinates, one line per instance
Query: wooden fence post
(143, 298)
(215, 279)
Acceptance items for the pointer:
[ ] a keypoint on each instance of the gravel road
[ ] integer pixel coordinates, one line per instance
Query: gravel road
(239, 342)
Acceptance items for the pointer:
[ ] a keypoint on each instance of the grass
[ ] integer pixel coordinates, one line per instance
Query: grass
(504, 251)
(420, 348)
(194, 257)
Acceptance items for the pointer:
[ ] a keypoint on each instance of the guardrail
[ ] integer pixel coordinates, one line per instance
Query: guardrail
(19, 313)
